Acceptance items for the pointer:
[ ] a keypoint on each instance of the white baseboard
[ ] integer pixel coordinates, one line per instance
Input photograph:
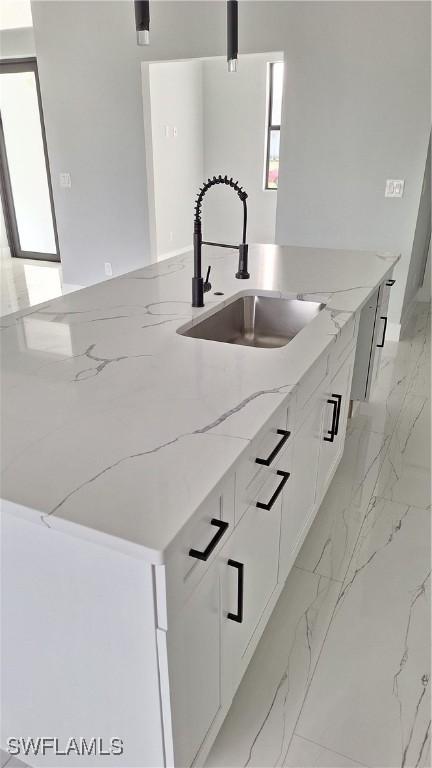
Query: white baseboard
(70, 287)
(393, 331)
(408, 314)
(170, 254)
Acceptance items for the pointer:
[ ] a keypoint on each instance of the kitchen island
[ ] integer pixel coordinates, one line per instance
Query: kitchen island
(144, 544)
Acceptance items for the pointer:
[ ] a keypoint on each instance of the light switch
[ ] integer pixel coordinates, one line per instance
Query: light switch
(394, 188)
(65, 180)
(175, 131)
(108, 269)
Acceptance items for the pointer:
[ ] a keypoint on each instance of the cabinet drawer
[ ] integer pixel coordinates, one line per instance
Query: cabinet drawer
(264, 452)
(336, 402)
(200, 541)
(249, 570)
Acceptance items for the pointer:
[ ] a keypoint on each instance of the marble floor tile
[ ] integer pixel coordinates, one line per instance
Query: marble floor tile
(264, 711)
(26, 282)
(383, 409)
(306, 754)
(405, 474)
(4, 757)
(330, 542)
(370, 695)
(420, 384)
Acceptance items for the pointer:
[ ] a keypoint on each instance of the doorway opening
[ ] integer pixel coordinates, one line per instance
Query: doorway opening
(200, 121)
(25, 184)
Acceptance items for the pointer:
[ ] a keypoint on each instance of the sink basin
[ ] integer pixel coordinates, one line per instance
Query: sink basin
(256, 321)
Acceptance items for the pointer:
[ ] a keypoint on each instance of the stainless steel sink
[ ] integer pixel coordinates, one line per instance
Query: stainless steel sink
(256, 321)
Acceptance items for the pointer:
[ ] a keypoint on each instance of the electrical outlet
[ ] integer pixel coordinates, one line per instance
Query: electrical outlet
(108, 269)
(65, 180)
(394, 188)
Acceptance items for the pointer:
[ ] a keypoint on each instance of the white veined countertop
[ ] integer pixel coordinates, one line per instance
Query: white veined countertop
(116, 428)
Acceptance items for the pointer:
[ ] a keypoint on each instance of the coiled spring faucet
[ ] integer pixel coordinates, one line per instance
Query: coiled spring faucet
(199, 286)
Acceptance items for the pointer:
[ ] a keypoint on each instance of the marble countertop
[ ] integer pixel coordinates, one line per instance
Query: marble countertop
(116, 428)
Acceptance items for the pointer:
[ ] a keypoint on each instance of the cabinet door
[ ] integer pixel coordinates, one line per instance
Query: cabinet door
(298, 502)
(366, 345)
(194, 655)
(334, 424)
(249, 568)
(381, 322)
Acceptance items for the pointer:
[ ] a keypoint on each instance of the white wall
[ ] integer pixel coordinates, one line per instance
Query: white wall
(17, 43)
(90, 75)
(235, 109)
(176, 108)
(421, 242)
(357, 111)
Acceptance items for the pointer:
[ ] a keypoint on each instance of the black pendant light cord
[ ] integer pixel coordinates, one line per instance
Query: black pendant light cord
(142, 21)
(232, 34)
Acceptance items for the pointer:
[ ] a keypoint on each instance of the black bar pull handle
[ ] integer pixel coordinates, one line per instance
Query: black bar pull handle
(332, 431)
(390, 282)
(338, 398)
(221, 525)
(268, 506)
(384, 332)
(240, 590)
(266, 462)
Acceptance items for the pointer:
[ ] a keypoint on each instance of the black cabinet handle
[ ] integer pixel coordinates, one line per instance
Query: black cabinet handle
(222, 526)
(240, 584)
(266, 462)
(336, 402)
(268, 506)
(332, 431)
(390, 282)
(338, 411)
(384, 332)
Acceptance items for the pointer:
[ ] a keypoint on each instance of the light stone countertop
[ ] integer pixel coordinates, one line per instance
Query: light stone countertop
(116, 428)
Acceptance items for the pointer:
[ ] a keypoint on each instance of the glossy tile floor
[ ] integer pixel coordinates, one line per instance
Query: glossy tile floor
(341, 676)
(25, 282)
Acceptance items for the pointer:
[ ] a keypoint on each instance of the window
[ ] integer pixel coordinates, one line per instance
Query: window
(273, 124)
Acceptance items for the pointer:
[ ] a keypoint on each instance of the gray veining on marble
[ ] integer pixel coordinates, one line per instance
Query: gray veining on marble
(368, 701)
(123, 399)
(328, 547)
(405, 475)
(261, 720)
(304, 753)
(376, 656)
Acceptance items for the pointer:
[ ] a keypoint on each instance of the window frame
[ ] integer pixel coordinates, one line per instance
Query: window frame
(270, 126)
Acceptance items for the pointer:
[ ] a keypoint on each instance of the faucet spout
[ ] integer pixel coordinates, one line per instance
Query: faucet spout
(199, 287)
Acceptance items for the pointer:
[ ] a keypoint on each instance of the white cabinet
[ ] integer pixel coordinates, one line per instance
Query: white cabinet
(194, 653)
(232, 560)
(381, 323)
(299, 496)
(335, 407)
(249, 570)
(371, 337)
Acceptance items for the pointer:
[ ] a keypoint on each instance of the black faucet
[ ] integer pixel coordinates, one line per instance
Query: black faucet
(199, 286)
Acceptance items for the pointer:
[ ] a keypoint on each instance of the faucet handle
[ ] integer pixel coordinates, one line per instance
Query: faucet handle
(207, 284)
